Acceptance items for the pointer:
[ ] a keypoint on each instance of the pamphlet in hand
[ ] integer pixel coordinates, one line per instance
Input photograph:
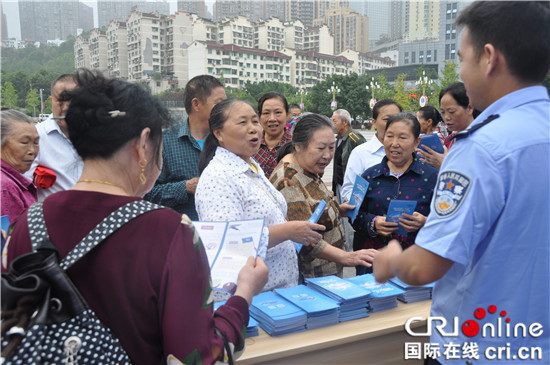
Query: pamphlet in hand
(357, 195)
(5, 224)
(228, 246)
(313, 219)
(431, 140)
(396, 209)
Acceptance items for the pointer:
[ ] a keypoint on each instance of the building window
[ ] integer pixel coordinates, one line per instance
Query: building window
(421, 56)
(413, 57)
(429, 55)
(435, 55)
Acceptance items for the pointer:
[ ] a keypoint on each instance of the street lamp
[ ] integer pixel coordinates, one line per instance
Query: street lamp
(334, 90)
(373, 85)
(301, 92)
(423, 81)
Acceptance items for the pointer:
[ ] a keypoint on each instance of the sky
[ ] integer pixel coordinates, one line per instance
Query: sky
(11, 9)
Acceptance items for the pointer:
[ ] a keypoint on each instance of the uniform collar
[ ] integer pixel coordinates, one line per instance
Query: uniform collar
(50, 126)
(374, 144)
(510, 101)
(384, 169)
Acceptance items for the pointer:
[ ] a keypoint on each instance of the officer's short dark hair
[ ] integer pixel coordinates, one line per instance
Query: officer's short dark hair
(518, 29)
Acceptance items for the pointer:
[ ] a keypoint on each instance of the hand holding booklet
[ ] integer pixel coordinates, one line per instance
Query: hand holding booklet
(228, 246)
(395, 211)
(431, 140)
(357, 195)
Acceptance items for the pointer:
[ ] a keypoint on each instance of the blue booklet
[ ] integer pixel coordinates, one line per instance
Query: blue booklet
(276, 315)
(398, 207)
(383, 295)
(5, 224)
(431, 140)
(313, 219)
(321, 310)
(357, 195)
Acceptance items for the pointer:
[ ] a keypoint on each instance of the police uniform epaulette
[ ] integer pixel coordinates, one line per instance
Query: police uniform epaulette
(353, 136)
(467, 132)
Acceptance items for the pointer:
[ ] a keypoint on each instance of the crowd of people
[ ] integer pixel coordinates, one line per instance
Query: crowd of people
(108, 142)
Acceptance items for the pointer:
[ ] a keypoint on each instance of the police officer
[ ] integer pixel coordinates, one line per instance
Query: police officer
(346, 140)
(487, 237)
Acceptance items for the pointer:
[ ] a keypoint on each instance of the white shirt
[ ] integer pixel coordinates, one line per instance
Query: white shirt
(361, 158)
(229, 190)
(58, 154)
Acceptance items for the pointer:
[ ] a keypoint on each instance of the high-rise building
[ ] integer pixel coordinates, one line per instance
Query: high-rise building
(48, 20)
(97, 43)
(254, 10)
(398, 19)
(117, 49)
(349, 29)
(4, 24)
(423, 22)
(108, 10)
(378, 13)
(269, 34)
(193, 6)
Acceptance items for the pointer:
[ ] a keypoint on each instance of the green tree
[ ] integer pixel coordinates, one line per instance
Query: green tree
(401, 95)
(449, 74)
(9, 96)
(32, 102)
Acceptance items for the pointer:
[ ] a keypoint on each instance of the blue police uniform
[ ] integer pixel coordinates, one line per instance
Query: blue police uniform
(490, 216)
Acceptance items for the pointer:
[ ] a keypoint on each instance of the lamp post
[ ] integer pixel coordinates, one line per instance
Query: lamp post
(373, 85)
(334, 90)
(423, 81)
(301, 92)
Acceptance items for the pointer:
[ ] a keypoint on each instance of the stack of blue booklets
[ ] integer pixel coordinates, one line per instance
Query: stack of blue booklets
(352, 298)
(276, 315)
(321, 310)
(382, 296)
(252, 326)
(413, 293)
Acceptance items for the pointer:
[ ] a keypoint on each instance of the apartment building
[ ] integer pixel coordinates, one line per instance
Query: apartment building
(117, 49)
(309, 67)
(108, 10)
(269, 34)
(366, 61)
(238, 31)
(349, 29)
(81, 52)
(146, 44)
(294, 35)
(193, 6)
(97, 43)
(237, 65)
(319, 39)
(179, 36)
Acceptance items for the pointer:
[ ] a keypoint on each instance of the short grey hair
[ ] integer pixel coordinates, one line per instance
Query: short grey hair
(344, 115)
(9, 117)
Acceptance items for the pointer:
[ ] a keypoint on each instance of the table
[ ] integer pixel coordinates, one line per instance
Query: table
(377, 339)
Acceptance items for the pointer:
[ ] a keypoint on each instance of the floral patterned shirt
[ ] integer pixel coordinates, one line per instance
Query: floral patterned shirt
(303, 192)
(229, 190)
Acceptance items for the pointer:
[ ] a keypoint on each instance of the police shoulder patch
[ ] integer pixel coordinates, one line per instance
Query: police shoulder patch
(452, 188)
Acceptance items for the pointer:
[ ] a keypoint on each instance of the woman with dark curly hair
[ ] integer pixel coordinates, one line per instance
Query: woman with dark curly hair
(149, 281)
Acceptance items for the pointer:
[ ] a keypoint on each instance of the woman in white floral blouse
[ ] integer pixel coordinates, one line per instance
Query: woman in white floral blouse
(233, 187)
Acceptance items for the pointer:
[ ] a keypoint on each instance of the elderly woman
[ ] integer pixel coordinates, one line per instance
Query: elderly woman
(149, 281)
(298, 178)
(19, 149)
(233, 187)
(400, 176)
(457, 113)
(273, 110)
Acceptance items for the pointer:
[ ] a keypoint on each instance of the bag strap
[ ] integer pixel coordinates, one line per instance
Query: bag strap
(109, 225)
